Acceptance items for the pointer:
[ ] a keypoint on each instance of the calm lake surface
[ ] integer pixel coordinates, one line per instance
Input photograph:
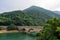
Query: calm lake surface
(16, 36)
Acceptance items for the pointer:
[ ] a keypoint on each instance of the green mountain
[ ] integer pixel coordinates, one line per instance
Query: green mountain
(40, 15)
(15, 17)
(57, 12)
(32, 16)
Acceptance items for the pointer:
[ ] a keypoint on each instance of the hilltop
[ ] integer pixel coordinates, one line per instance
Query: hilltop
(32, 16)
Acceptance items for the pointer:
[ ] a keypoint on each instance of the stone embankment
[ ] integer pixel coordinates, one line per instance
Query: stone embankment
(27, 29)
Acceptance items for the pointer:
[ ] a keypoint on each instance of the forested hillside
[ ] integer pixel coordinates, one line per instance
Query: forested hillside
(40, 15)
(57, 12)
(33, 16)
(15, 17)
(50, 31)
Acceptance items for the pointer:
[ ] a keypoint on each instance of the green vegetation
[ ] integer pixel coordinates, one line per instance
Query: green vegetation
(15, 17)
(12, 27)
(58, 29)
(40, 15)
(33, 16)
(50, 30)
(1, 28)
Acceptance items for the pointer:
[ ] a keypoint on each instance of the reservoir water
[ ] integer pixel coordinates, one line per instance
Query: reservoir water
(16, 36)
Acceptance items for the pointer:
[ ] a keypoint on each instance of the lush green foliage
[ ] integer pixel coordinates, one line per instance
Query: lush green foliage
(40, 15)
(50, 30)
(17, 18)
(1, 28)
(11, 27)
(32, 16)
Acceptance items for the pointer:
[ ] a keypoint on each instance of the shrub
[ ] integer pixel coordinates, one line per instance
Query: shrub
(1, 27)
(11, 27)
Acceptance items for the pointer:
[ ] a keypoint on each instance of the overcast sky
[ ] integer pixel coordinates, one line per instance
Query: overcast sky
(11, 5)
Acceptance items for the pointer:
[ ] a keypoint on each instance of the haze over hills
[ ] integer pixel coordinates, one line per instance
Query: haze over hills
(32, 16)
(40, 10)
(57, 12)
(39, 14)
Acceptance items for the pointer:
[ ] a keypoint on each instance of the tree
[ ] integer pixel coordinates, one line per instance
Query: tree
(49, 30)
(11, 27)
(1, 27)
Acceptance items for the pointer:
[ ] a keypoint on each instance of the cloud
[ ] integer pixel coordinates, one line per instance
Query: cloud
(48, 4)
(9, 5)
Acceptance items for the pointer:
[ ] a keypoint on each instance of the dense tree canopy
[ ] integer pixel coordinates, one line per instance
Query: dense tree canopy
(50, 30)
(12, 27)
(33, 16)
(17, 18)
(40, 15)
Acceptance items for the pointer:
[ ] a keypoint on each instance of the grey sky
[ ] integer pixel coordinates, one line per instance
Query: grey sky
(10, 5)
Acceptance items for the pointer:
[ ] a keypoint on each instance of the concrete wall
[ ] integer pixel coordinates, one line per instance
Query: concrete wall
(27, 28)
(35, 28)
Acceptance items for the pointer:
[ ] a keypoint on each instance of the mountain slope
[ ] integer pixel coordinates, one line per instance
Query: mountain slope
(39, 14)
(33, 16)
(57, 12)
(16, 17)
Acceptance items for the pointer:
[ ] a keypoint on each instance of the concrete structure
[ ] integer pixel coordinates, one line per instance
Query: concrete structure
(27, 28)
(30, 28)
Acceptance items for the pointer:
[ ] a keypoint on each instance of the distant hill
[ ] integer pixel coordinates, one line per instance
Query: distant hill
(40, 15)
(57, 12)
(32, 16)
(16, 17)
